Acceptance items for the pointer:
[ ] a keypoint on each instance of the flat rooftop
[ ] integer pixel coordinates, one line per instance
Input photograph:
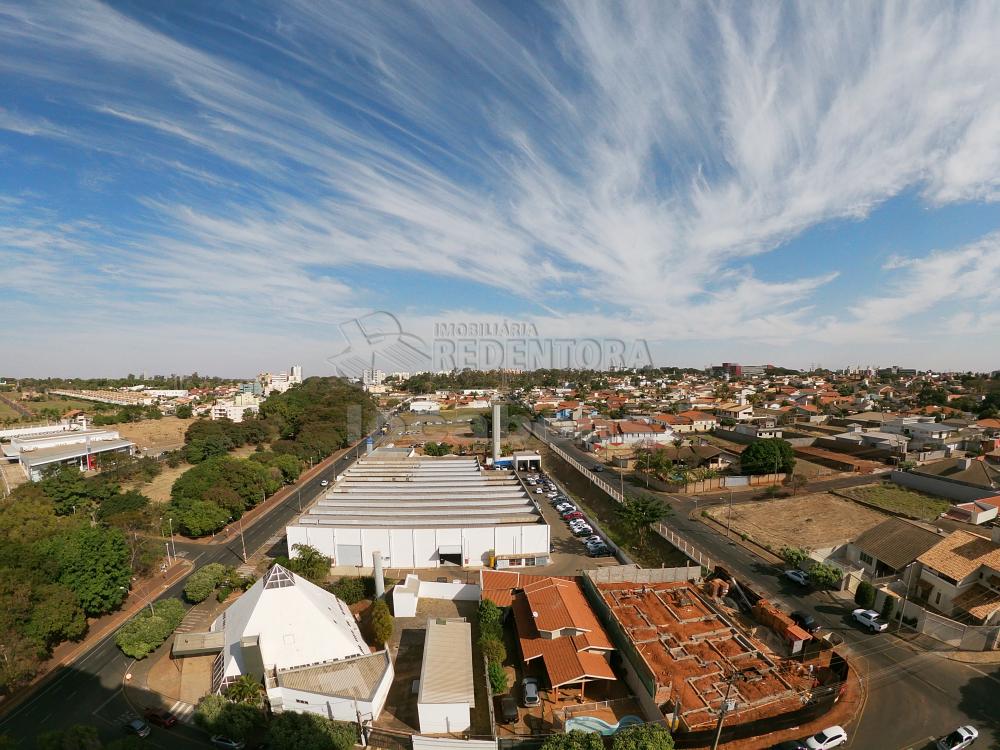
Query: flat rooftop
(64, 452)
(394, 491)
(692, 651)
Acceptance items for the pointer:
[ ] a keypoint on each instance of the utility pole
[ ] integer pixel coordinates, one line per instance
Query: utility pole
(729, 514)
(173, 547)
(243, 541)
(167, 545)
(906, 596)
(723, 710)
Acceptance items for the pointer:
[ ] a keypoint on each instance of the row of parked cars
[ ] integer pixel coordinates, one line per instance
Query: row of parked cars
(831, 737)
(165, 719)
(595, 544)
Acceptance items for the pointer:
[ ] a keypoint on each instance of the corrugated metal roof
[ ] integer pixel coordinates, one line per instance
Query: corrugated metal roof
(358, 677)
(446, 672)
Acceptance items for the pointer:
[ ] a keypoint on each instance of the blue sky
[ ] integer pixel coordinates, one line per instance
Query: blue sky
(217, 186)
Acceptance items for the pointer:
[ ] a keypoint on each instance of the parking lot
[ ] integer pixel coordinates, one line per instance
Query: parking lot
(569, 554)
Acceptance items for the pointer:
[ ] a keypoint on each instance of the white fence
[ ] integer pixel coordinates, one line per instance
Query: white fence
(406, 596)
(632, 574)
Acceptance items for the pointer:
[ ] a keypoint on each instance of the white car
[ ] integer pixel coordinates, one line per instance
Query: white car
(799, 576)
(870, 619)
(960, 739)
(539, 491)
(829, 737)
(324, 483)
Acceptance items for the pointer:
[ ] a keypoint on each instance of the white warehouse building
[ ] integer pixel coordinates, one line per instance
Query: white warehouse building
(424, 512)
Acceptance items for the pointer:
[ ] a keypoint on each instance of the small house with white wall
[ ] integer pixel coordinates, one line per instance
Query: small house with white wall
(447, 692)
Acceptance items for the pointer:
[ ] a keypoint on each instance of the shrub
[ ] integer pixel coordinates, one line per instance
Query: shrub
(824, 576)
(642, 737)
(203, 581)
(349, 590)
(498, 677)
(382, 622)
(147, 631)
(217, 715)
(793, 555)
(865, 595)
(294, 731)
(492, 649)
(887, 607)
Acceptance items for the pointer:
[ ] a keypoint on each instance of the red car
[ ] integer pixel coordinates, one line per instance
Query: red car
(160, 718)
(574, 515)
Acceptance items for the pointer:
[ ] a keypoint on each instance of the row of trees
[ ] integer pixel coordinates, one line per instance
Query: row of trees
(69, 547)
(215, 578)
(491, 645)
(636, 737)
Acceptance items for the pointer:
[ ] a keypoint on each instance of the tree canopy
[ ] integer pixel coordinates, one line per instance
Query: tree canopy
(767, 457)
(296, 731)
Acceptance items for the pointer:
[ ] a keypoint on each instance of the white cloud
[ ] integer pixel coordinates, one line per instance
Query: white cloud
(633, 159)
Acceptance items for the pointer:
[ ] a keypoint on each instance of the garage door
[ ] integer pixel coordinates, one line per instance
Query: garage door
(348, 554)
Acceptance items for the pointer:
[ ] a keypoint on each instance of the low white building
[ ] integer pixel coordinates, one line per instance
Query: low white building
(424, 405)
(302, 642)
(424, 512)
(236, 408)
(447, 692)
(80, 448)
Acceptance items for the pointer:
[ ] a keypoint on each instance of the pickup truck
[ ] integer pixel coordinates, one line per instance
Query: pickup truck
(870, 619)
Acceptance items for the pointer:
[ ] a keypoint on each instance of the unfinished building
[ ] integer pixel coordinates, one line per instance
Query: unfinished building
(693, 658)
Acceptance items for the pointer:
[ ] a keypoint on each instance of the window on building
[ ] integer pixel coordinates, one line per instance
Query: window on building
(867, 559)
(937, 599)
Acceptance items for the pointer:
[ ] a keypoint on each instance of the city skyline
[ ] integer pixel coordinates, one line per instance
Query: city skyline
(208, 188)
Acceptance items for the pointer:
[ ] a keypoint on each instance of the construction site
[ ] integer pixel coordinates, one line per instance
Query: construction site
(701, 662)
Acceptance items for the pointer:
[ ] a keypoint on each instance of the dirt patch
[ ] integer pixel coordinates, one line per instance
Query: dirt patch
(155, 435)
(898, 499)
(817, 521)
(158, 490)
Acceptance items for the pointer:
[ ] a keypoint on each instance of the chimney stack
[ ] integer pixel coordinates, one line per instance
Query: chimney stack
(377, 574)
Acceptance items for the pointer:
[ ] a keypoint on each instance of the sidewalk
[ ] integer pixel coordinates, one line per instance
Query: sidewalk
(100, 628)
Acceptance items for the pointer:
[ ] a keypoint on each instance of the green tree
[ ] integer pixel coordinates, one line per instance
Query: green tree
(93, 563)
(575, 740)
(306, 731)
(824, 576)
(498, 678)
(864, 596)
(77, 737)
(56, 616)
(198, 517)
(382, 622)
(638, 513)
(147, 631)
(310, 563)
(184, 411)
(351, 590)
(246, 690)
(492, 649)
(888, 606)
(793, 555)
(217, 715)
(200, 584)
(767, 456)
(642, 737)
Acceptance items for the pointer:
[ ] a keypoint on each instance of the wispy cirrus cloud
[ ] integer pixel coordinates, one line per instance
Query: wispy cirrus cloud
(633, 158)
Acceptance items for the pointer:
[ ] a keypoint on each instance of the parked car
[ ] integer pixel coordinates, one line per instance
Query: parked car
(529, 692)
(870, 619)
(324, 483)
(160, 717)
(539, 491)
(583, 531)
(960, 739)
(805, 621)
(564, 506)
(829, 737)
(573, 522)
(508, 710)
(597, 468)
(598, 551)
(789, 745)
(572, 515)
(798, 576)
(229, 744)
(138, 727)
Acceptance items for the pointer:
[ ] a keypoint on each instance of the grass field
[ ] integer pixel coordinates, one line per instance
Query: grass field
(900, 500)
(817, 521)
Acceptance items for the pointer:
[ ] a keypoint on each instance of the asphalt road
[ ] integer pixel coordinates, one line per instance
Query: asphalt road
(915, 695)
(89, 691)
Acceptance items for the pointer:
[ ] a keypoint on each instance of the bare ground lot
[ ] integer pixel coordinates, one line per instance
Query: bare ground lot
(158, 491)
(155, 435)
(898, 499)
(817, 521)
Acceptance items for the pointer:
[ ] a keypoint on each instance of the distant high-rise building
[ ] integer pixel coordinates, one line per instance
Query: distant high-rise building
(372, 377)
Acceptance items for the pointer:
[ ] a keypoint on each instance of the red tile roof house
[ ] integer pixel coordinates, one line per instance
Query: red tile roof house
(701, 421)
(555, 625)
(626, 432)
(674, 421)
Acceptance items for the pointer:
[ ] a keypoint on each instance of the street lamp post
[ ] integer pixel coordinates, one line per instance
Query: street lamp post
(173, 547)
(243, 541)
(729, 514)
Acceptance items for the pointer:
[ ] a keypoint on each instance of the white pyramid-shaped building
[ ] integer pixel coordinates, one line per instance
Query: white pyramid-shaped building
(305, 645)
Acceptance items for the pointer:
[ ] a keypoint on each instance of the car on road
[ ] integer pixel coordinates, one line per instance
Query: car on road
(828, 738)
(597, 468)
(805, 621)
(797, 576)
(870, 619)
(598, 551)
(226, 742)
(160, 717)
(138, 727)
(789, 745)
(529, 692)
(960, 739)
(324, 483)
(508, 710)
